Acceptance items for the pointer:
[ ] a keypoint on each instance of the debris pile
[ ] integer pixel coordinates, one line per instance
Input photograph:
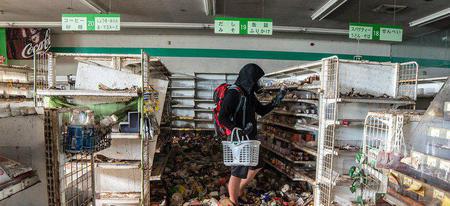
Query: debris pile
(197, 176)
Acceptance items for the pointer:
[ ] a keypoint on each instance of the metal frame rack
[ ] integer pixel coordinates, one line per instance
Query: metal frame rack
(195, 109)
(348, 91)
(422, 178)
(384, 133)
(70, 177)
(142, 165)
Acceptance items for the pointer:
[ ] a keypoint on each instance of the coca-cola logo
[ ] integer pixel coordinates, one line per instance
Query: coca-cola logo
(40, 45)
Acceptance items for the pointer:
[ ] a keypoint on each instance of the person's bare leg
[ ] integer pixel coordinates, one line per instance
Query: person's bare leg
(233, 188)
(250, 176)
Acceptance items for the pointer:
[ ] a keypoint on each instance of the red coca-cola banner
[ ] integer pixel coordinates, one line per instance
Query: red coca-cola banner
(22, 42)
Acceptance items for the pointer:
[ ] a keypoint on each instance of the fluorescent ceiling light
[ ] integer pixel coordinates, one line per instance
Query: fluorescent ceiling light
(431, 18)
(94, 6)
(209, 7)
(327, 8)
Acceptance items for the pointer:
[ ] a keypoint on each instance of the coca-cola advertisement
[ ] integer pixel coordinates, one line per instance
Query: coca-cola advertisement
(22, 42)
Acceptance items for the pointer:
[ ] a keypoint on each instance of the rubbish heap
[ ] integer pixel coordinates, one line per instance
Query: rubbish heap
(196, 176)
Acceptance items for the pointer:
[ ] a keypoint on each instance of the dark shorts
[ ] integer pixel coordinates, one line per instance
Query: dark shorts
(241, 171)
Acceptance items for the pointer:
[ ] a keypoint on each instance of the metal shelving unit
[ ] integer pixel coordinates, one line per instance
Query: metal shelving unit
(348, 90)
(135, 168)
(294, 128)
(194, 97)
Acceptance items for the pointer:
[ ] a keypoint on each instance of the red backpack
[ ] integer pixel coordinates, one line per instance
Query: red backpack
(219, 94)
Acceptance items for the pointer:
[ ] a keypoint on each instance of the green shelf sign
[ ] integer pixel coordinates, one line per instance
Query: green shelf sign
(3, 50)
(90, 22)
(363, 31)
(243, 26)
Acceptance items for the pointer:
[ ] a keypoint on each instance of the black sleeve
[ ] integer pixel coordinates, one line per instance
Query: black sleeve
(229, 104)
(262, 109)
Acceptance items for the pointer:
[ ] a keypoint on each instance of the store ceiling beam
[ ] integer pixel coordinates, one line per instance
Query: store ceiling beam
(431, 18)
(209, 6)
(167, 25)
(94, 6)
(327, 9)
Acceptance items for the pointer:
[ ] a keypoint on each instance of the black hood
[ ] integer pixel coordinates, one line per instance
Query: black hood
(248, 77)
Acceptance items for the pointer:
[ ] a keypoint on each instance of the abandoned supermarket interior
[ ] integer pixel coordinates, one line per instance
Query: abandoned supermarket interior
(224, 103)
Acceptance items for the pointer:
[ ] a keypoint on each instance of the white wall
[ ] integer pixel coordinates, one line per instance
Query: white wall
(291, 43)
(22, 139)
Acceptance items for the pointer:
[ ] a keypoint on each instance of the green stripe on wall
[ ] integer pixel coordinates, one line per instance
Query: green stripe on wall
(242, 54)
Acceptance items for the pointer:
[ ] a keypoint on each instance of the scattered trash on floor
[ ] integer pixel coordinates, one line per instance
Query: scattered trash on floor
(197, 176)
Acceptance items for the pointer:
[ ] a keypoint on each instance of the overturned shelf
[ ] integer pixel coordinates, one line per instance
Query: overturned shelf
(86, 93)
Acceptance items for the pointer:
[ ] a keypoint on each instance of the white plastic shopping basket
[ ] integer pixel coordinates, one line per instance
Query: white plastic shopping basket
(239, 151)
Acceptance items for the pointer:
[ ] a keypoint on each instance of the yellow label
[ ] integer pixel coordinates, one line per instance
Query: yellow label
(407, 181)
(432, 161)
(438, 194)
(435, 132)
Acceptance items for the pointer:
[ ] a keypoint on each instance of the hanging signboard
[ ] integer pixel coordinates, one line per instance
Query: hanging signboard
(243, 26)
(90, 22)
(379, 32)
(3, 51)
(22, 42)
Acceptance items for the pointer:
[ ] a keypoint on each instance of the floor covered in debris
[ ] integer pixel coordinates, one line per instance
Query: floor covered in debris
(196, 175)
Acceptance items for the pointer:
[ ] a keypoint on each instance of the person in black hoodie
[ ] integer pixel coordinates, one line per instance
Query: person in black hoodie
(238, 110)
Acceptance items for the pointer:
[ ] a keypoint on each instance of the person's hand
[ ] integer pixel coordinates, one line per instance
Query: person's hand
(280, 95)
